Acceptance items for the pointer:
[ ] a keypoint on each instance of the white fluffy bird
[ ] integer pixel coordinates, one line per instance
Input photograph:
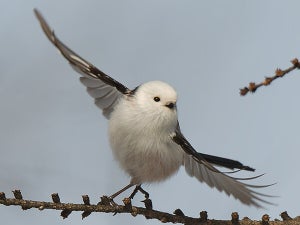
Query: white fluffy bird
(144, 132)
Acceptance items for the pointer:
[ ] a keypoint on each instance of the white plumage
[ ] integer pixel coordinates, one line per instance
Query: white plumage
(140, 134)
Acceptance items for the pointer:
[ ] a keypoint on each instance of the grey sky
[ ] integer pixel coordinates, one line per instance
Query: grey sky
(53, 139)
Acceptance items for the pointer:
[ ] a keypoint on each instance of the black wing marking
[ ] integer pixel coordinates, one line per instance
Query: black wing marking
(199, 165)
(100, 86)
(219, 161)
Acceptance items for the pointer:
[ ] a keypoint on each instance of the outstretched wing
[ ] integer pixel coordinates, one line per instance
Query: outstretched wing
(197, 166)
(105, 90)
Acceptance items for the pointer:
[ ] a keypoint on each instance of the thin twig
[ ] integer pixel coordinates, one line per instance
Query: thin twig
(103, 206)
(252, 87)
(108, 207)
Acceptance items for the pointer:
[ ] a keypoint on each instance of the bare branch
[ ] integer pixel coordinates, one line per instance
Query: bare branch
(252, 87)
(107, 206)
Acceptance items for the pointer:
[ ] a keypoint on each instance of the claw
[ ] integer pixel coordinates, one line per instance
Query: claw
(139, 188)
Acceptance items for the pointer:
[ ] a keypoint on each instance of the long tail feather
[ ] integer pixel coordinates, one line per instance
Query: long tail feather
(228, 163)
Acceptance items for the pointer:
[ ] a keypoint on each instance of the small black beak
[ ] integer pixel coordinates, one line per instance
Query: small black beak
(171, 105)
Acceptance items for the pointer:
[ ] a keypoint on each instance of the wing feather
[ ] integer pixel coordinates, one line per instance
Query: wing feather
(105, 90)
(196, 166)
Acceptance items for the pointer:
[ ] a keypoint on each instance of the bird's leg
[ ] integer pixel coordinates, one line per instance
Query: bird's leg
(134, 192)
(139, 188)
(144, 192)
(121, 191)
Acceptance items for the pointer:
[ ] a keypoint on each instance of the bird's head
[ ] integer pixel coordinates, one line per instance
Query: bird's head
(157, 99)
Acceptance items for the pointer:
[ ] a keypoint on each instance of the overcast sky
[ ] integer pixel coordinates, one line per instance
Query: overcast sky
(53, 138)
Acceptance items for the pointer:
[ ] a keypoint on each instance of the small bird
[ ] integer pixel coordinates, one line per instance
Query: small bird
(145, 135)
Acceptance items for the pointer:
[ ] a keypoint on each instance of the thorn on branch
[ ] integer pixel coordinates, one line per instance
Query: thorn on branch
(65, 213)
(203, 216)
(178, 212)
(17, 194)
(85, 214)
(252, 87)
(296, 63)
(127, 204)
(267, 81)
(285, 216)
(279, 72)
(235, 218)
(265, 219)
(55, 198)
(2, 196)
(104, 200)
(86, 199)
(244, 91)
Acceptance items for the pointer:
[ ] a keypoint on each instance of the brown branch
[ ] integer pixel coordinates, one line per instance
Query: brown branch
(252, 87)
(106, 206)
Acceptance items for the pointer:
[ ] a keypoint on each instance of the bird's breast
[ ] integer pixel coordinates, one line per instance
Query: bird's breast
(146, 152)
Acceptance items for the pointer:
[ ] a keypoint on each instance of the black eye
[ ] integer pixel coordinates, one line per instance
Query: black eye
(157, 99)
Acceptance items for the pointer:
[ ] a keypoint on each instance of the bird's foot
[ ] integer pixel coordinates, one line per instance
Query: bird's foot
(147, 201)
(139, 188)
